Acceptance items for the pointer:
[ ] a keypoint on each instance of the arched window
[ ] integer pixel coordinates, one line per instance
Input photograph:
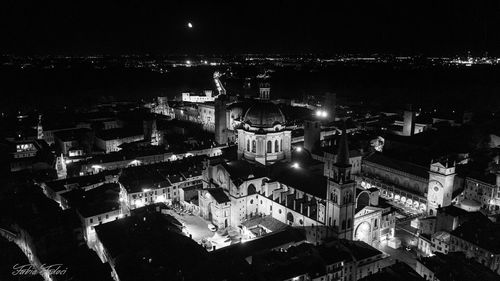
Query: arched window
(343, 224)
(254, 148)
(281, 145)
(276, 146)
(248, 145)
(251, 189)
(269, 147)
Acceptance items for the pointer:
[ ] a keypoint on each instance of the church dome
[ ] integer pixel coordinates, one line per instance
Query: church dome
(264, 115)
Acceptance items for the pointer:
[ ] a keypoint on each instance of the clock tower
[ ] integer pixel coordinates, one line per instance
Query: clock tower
(440, 190)
(340, 204)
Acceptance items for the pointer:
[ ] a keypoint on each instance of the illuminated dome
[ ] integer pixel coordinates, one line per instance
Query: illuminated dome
(264, 115)
(470, 205)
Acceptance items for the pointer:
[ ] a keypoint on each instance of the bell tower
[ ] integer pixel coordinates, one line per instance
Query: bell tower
(341, 193)
(441, 182)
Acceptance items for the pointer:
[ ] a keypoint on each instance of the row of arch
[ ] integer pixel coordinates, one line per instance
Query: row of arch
(408, 201)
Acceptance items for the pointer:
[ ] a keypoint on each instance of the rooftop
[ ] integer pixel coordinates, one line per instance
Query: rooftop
(241, 170)
(78, 182)
(264, 114)
(489, 178)
(455, 266)
(264, 243)
(119, 133)
(135, 179)
(403, 166)
(151, 247)
(219, 195)
(484, 234)
(71, 135)
(96, 201)
(452, 210)
(396, 272)
(299, 178)
(268, 222)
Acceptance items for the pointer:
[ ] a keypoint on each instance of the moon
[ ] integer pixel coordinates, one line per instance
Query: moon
(189, 25)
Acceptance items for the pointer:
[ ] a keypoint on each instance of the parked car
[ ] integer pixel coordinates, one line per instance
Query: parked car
(212, 227)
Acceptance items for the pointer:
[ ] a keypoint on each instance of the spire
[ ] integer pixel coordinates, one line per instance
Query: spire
(343, 149)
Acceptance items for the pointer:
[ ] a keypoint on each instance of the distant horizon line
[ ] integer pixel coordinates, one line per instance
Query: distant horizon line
(257, 54)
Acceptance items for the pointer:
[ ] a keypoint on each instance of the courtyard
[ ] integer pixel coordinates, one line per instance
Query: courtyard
(197, 229)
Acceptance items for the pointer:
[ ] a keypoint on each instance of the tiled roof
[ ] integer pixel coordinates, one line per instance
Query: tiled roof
(406, 167)
(300, 178)
(455, 266)
(484, 234)
(219, 195)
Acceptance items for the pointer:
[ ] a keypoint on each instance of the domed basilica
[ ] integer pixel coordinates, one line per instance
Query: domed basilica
(263, 137)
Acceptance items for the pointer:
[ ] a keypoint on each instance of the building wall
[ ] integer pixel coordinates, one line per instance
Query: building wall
(254, 147)
(423, 271)
(367, 226)
(207, 97)
(486, 194)
(439, 246)
(90, 222)
(330, 159)
(113, 145)
(207, 116)
(440, 189)
(424, 245)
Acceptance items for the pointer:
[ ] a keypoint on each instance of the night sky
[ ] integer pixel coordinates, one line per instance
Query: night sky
(118, 27)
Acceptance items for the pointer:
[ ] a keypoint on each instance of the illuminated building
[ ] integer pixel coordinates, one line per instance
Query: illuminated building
(482, 191)
(441, 185)
(206, 97)
(375, 219)
(159, 183)
(415, 186)
(262, 183)
(264, 137)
